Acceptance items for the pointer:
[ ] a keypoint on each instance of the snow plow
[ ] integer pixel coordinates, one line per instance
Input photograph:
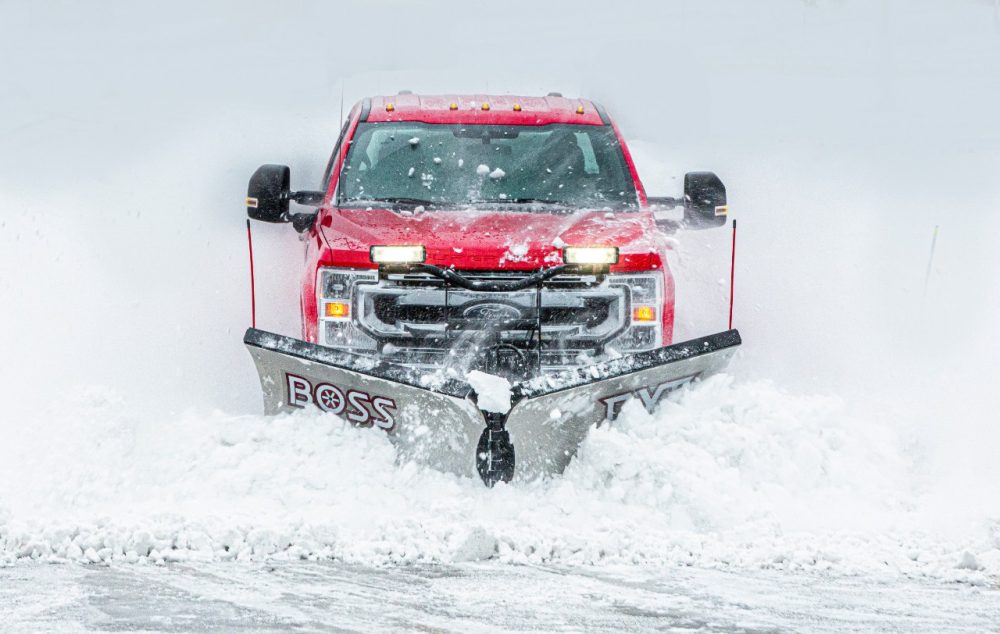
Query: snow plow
(484, 283)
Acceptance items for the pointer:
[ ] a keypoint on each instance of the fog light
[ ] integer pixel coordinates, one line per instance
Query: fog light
(644, 313)
(339, 310)
(590, 255)
(410, 254)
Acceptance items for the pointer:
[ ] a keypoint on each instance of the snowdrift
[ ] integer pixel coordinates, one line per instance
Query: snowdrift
(726, 474)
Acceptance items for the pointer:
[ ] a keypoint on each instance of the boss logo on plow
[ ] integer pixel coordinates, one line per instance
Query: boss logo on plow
(361, 408)
(649, 396)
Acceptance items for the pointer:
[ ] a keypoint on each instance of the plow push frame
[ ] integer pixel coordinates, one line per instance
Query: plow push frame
(436, 418)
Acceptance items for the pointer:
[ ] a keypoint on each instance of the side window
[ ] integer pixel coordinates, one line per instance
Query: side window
(336, 152)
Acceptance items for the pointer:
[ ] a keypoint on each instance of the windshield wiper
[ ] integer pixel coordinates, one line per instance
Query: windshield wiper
(397, 200)
(521, 201)
(541, 201)
(420, 202)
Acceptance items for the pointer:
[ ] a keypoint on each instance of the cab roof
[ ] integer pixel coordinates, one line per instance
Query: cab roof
(483, 109)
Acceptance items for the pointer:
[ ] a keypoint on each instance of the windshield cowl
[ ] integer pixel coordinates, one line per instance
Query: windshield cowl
(421, 205)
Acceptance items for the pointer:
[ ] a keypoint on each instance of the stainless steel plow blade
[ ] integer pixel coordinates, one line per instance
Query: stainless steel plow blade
(436, 420)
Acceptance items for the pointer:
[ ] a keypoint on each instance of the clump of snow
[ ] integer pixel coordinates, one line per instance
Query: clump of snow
(493, 391)
(483, 170)
(437, 160)
(414, 141)
(478, 544)
(410, 172)
(497, 174)
(968, 562)
(515, 253)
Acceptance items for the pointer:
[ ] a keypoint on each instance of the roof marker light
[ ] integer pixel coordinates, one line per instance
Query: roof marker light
(453, 106)
(486, 106)
(389, 107)
(517, 107)
(579, 110)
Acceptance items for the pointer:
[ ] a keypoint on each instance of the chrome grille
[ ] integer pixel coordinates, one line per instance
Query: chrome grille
(406, 318)
(577, 312)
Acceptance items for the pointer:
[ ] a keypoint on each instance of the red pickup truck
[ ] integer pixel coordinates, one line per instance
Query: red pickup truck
(455, 233)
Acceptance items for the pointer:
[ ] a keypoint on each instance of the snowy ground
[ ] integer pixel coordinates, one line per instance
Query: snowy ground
(725, 474)
(737, 507)
(324, 597)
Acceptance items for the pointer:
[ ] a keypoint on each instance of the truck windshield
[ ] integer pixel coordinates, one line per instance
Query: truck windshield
(459, 165)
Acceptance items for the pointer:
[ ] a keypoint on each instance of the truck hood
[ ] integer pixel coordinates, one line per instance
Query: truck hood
(477, 239)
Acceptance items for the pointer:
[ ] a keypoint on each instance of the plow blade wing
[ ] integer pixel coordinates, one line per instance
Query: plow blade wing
(437, 422)
(552, 413)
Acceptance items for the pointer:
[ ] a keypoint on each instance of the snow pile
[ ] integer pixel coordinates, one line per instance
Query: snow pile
(724, 475)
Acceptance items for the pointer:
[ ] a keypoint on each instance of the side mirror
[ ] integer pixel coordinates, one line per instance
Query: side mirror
(704, 201)
(268, 193)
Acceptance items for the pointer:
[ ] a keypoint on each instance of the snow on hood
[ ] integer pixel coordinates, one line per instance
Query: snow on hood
(490, 239)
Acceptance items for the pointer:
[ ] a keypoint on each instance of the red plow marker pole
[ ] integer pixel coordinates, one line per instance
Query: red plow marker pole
(253, 291)
(732, 275)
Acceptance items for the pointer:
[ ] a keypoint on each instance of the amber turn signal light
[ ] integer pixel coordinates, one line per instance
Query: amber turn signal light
(644, 313)
(337, 309)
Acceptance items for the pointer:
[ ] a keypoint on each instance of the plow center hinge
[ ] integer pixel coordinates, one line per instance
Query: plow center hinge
(494, 452)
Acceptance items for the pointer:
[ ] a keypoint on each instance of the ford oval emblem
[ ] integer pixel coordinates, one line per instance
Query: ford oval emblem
(492, 312)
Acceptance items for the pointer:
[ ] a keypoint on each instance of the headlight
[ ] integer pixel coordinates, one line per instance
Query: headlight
(335, 306)
(590, 255)
(645, 330)
(398, 254)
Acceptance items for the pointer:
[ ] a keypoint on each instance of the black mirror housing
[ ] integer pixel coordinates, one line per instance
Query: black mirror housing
(268, 193)
(704, 201)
